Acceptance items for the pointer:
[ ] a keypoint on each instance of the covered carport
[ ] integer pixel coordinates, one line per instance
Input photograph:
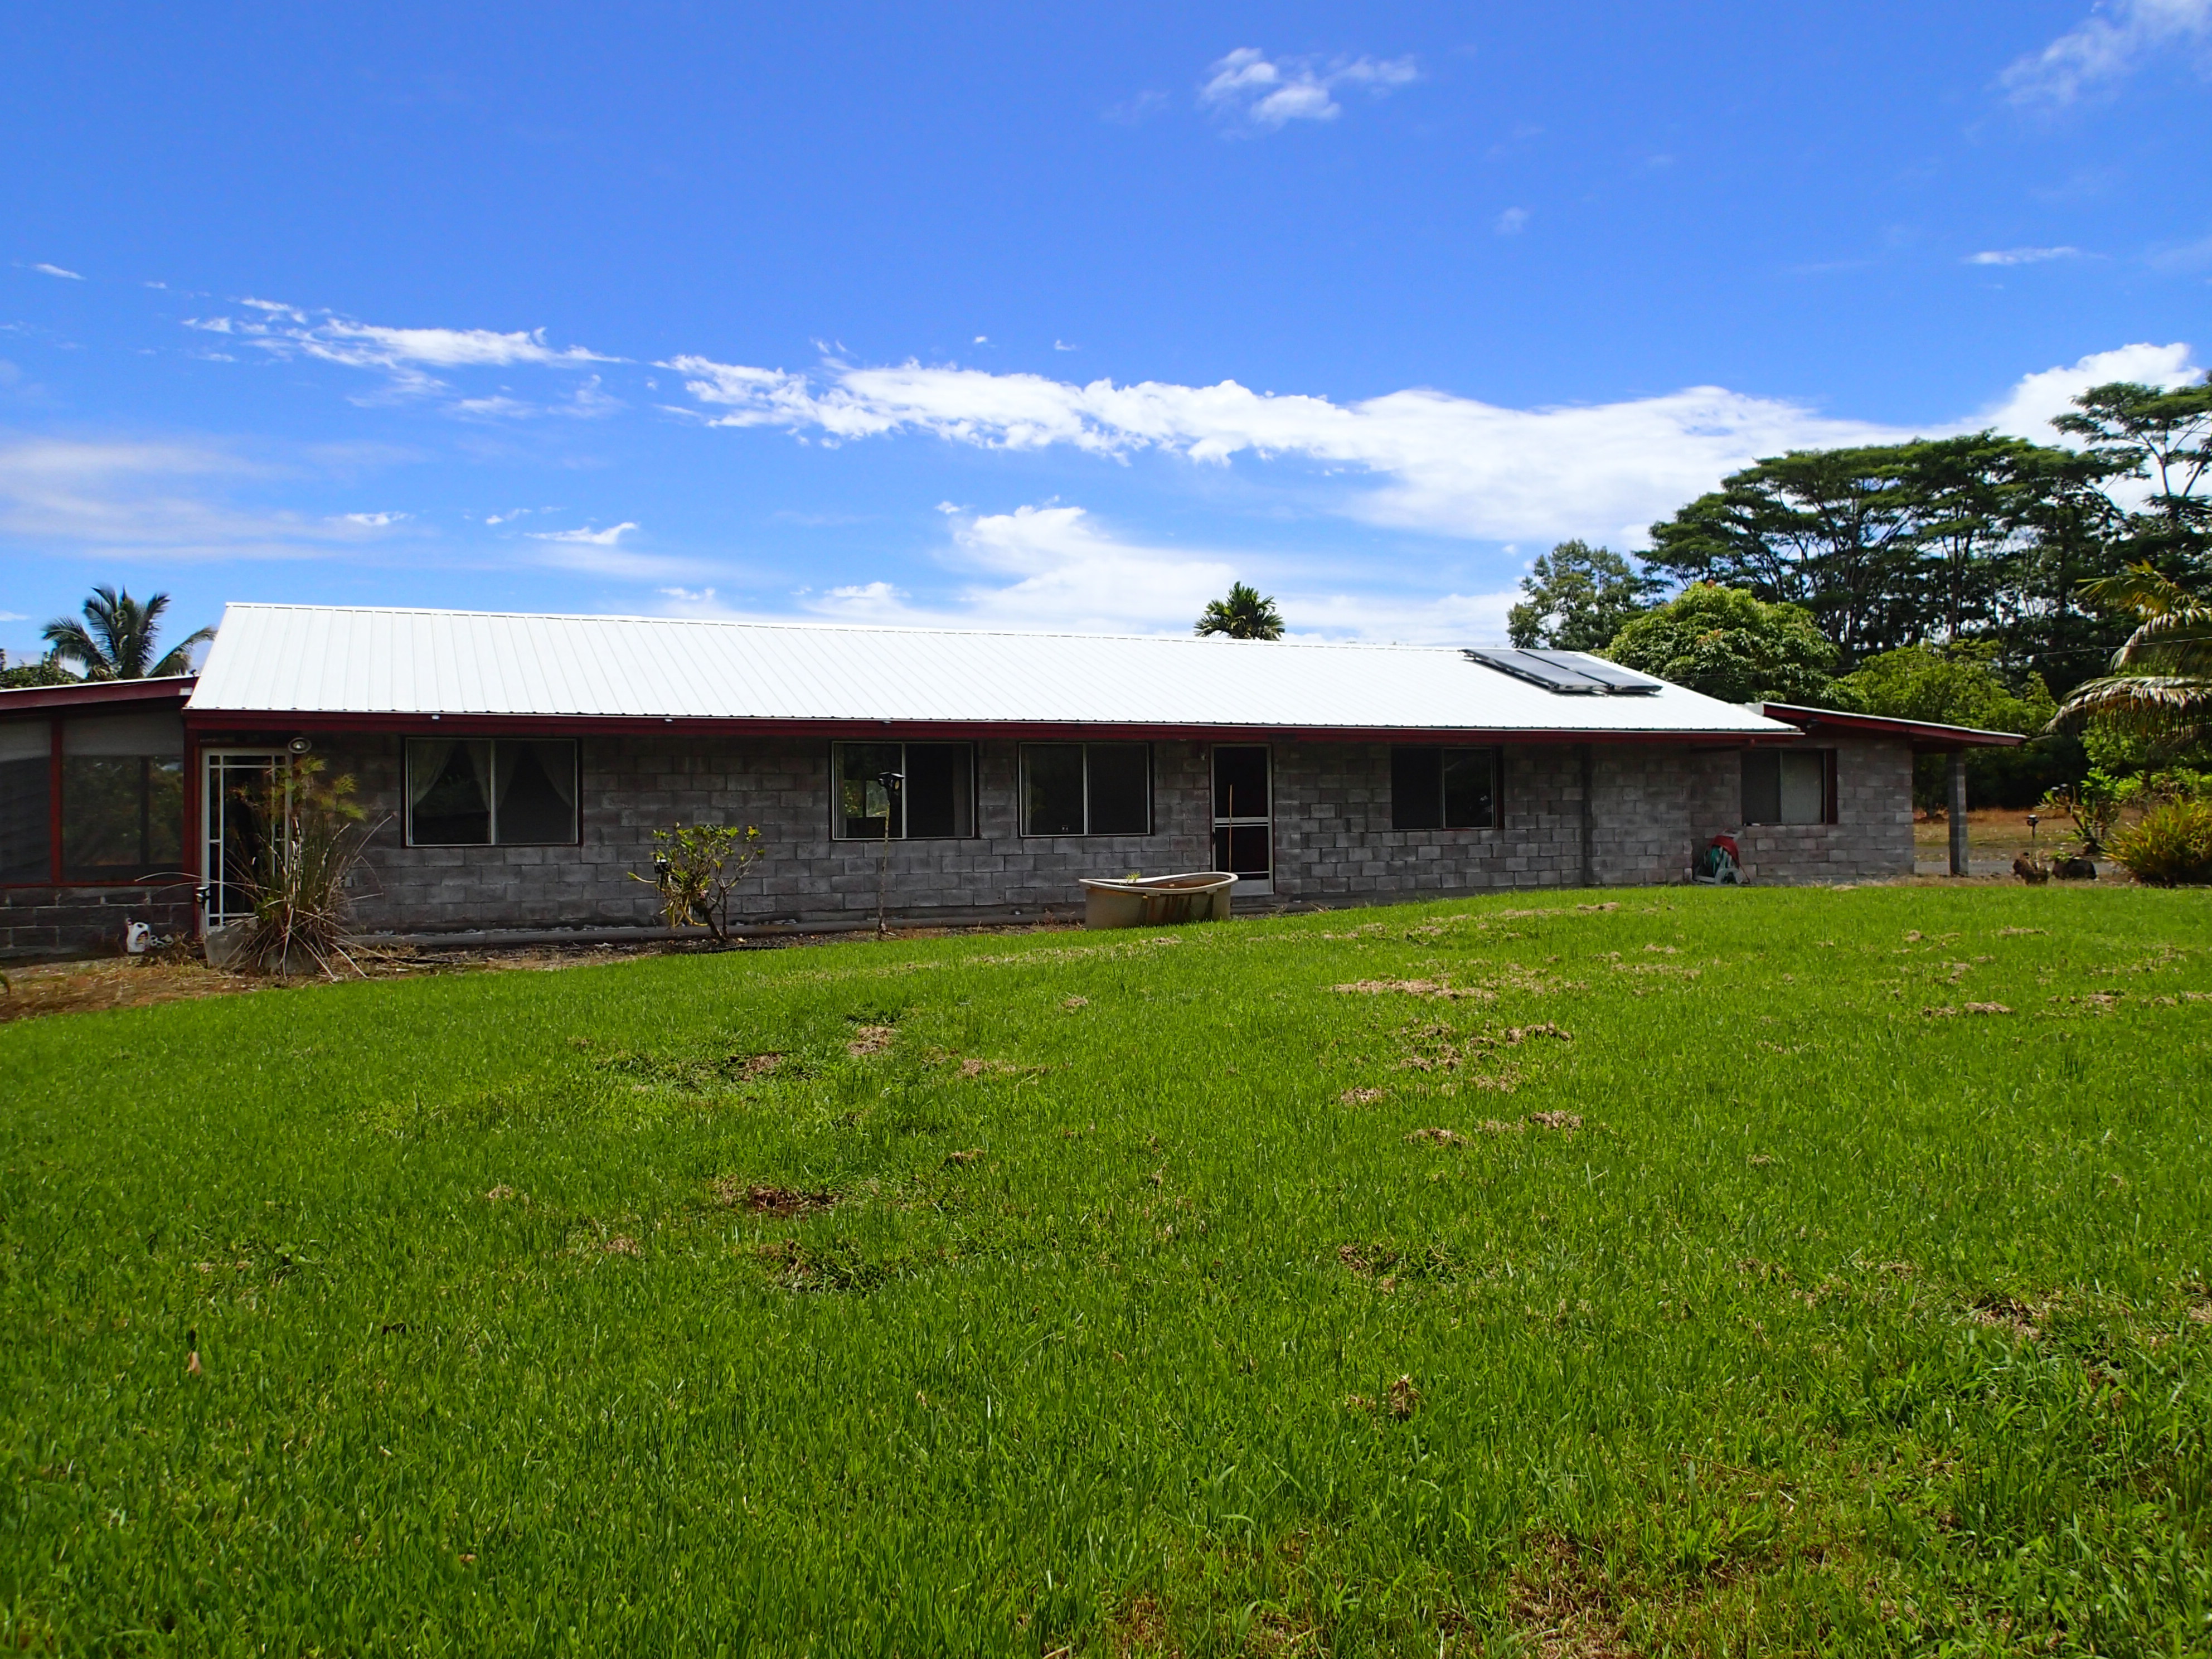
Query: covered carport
(1926, 737)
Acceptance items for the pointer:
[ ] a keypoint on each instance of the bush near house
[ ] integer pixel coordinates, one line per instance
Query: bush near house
(2170, 845)
(1690, 1270)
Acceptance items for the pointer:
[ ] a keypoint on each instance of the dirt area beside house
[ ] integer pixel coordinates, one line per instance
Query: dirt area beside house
(29, 989)
(1994, 836)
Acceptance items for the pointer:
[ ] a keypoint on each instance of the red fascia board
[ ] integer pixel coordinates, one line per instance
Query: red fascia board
(1925, 735)
(93, 693)
(205, 725)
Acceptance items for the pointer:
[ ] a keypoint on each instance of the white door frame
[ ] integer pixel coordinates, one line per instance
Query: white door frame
(213, 912)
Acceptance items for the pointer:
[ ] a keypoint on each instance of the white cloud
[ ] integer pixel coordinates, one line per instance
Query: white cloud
(406, 355)
(1512, 221)
(2023, 256)
(607, 538)
(2110, 43)
(13, 616)
(56, 270)
(1248, 87)
(1431, 461)
(374, 521)
(1055, 568)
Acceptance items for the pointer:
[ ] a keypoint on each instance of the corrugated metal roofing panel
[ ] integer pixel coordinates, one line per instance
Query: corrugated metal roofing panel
(328, 660)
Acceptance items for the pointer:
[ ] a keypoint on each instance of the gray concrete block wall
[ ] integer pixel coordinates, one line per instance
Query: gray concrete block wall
(1655, 806)
(1872, 837)
(64, 921)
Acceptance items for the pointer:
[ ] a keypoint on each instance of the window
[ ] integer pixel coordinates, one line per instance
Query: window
(932, 796)
(1443, 788)
(487, 792)
(1789, 785)
(1086, 789)
(26, 779)
(122, 798)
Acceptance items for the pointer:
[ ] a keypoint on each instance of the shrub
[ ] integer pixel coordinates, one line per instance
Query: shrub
(311, 842)
(2170, 847)
(697, 868)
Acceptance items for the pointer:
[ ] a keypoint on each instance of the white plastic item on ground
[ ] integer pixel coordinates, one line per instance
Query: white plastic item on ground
(1157, 901)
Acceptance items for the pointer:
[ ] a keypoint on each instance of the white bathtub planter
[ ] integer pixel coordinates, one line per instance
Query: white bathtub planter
(1157, 901)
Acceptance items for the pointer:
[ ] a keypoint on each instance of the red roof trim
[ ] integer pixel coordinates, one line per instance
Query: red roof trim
(210, 723)
(1925, 734)
(94, 694)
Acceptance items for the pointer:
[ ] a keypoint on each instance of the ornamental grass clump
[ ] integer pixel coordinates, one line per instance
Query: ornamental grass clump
(312, 834)
(2171, 846)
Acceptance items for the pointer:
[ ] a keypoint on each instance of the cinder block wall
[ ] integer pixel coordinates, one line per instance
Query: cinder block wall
(1872, 837)
(1653, 806)
(88, 920)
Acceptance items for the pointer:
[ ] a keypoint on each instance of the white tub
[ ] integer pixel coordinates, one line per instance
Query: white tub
(1157, 901)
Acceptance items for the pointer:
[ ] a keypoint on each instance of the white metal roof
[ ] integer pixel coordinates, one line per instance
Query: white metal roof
(337, 660)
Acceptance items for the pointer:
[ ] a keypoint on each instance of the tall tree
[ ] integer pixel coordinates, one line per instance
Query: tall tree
(1579, 596)
(1833, 531)
(2166, 437)
(1246, 614)
(1729, 644)
(115, 641)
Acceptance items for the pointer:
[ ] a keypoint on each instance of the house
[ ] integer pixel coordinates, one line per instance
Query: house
(516, 766)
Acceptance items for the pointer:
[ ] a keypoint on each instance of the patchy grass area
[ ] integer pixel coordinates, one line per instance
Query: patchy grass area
(1671, 1271)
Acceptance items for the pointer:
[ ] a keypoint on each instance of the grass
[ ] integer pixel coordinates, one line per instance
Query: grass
(1103, 1294)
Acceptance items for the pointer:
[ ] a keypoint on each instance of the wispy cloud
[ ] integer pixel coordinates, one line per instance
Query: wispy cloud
(404, 357)
(374, 521)
(2022, 256)
(57, 271)
(152, 499)
(1255, 93)
(2106, 46)
(1512, 221)
(1432, 462)
(607, 538)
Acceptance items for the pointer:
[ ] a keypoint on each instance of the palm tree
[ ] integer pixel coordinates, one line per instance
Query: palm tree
(1246, 614)
(115, 642)
(2160, 682)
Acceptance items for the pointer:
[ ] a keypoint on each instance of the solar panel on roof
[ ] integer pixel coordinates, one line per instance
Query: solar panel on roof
(1620, 682)
(1533, 666)
(1568, 673)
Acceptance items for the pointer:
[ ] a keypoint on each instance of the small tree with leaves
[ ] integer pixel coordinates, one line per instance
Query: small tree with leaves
(697, 867)
(1579, 597)
(1246, 614)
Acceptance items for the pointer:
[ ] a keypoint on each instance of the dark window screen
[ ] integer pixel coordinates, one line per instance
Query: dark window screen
(449, 792)
(940, 790)
(26, 818)
(1052, 789)
(1240, 782)
(536, 785)
(1470, 788)
(123, 817)
(1443, 788)
(1417, 789)
(1121, 788)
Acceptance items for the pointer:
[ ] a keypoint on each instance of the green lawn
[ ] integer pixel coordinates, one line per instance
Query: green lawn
(1121, 1306)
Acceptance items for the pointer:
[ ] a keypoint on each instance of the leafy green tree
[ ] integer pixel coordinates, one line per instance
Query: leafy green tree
(2143, 432)
(1729, 644)
(1246, 614)
(1579, 596)
(40, 671)
(1962, 685)
(1830, 532)
(115, 641)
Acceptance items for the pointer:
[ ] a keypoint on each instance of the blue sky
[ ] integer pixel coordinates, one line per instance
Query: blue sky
(1035, 317)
